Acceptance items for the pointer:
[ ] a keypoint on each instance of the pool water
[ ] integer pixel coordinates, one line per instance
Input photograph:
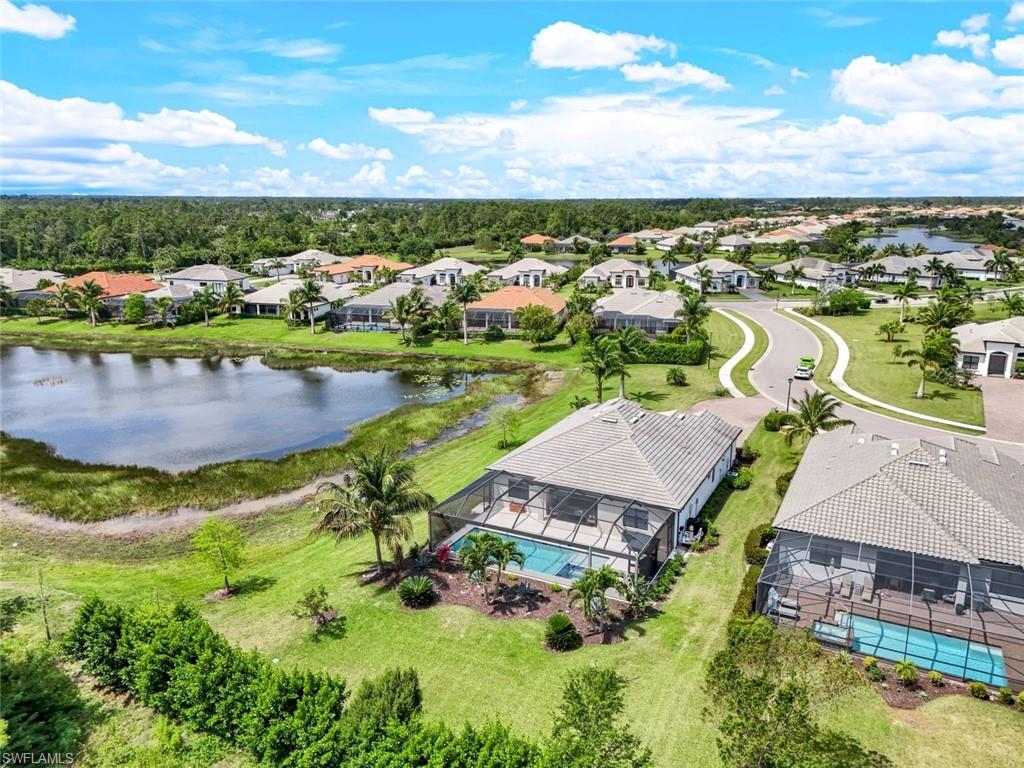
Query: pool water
(928, 650)
(542, 557)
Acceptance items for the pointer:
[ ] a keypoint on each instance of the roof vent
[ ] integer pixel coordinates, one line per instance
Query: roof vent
(860, 441)
(894, 449)
(918, 463)
(610, 418)
(942, 455)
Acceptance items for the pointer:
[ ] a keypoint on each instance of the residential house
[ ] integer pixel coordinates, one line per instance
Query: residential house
(568, 244)
(710, 227)
(668, 243)
(290, 265)
(500, 307)
(273, 300)
(732, 243)
(444, 271)
(651, 235)
(900, 269)
(361, 269)
(367, 312)
(618, 273)
(820, 274)
(724, 276)
(24, 283)
(623, 244)
(905, 548)
(653, 312)
(991, 349)
(785, 235)
(970, 263)
(116, 287)
(612, 483)
(528, 271)
(536, 241)
(214, 276)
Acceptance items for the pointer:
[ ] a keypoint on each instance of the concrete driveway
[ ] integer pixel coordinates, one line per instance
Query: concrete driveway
(1004, 408)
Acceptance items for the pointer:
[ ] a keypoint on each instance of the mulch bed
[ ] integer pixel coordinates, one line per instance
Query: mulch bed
(523, 598)
(900, 696)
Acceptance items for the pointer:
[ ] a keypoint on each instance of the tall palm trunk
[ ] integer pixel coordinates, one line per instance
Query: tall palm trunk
(920, 387)
(380, 559)
(600, 389)
(622, 385)
(92, 318)
(312, 321)
(903, 308)
(465, 326)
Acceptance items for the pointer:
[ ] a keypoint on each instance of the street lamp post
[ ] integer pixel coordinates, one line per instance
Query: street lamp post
(789, 392)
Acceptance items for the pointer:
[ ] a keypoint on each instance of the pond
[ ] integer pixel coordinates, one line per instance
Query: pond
(935, 243)
(179, 413)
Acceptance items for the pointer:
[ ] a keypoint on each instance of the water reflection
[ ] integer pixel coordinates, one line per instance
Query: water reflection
(180, 413)
(935, 243)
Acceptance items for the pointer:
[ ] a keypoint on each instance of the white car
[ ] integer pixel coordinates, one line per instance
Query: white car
(803, 372)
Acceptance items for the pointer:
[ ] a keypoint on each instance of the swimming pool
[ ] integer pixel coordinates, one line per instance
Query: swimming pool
(542, 557)
(928, 650)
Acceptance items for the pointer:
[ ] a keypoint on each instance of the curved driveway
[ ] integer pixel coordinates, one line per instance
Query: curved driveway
(789, 341)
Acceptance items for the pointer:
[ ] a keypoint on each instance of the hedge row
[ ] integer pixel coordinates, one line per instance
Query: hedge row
(173, 662)
(754, 551)
(746, 599)
(671, 353)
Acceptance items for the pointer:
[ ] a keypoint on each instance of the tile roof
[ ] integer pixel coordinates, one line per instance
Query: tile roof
(606, 268)
(623, 240)
(513, 297)
(208, 272)
(640, 302)
(621, 449)
(951, 499)
(383, 297)
(717, 267)
(536, 239)
(277, 293)
(571, 239)
(361, 262)
(814, 269)
(972, 336)
(114, 283)
(27, 279)
(447, 263)
(525, 265)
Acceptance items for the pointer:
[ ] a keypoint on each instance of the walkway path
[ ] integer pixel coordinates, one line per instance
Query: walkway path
(788, 341)
(725, 372)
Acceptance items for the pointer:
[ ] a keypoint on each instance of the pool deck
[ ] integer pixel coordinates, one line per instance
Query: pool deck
(997, 627)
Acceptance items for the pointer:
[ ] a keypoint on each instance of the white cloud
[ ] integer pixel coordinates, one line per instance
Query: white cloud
(348, 151)
(775, 90)
(956, 38)
(677, 75)
(302, 88)
(1010, 51)
(240, 38)
(308, 49)
(975, 23)
(1016, 15)
(433, 62)
(397, 116)
(833, 19)
(464, 182)
(798, 74)
(36, 20)
(568, 45)
(933, 83)
(517, 104)
(372, 175)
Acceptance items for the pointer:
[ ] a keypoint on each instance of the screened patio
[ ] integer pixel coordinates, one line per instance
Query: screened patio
(965, 620)
(598, 528)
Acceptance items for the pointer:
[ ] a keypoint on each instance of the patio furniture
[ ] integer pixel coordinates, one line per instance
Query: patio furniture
(868, 593)
(846, 588)
(928, 595)
(786, 613)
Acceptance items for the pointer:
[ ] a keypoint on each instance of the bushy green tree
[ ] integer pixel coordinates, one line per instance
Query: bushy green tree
(221, 545)
(537, 323)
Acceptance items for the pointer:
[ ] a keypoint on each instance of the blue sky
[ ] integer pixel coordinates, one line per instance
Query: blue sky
(513, 100)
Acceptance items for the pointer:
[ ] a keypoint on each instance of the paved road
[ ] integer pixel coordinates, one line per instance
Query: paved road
(790, 340)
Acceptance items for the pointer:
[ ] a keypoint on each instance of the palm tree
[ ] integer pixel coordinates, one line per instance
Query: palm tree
(589, 591)
(937, 350)
(940, 315)
(6, 298)
(90, 299)
(231, 298)
(205, 300)
(919, 249)
(277, 266)
(504, 553)
(1014, 303)
(969, 294)
(629, 344)
(403, 312)
(476, 554)
(694, 313)
(380, 498)
(999, 264)
(904, 294)
(466, 291)
(704, 274)
(446, 318)
(66, 297)
(310, 293)
(935, 266)
(670, 261)
(815, 412)
(601, 358)
(794, 273)
(163, 307)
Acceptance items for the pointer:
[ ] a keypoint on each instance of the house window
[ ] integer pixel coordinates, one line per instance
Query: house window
(519, 491)
(618, 281)
(637, 519)
(827, 554)
(971, 362)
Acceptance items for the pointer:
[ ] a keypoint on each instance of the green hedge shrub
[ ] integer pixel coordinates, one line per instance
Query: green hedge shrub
(494, 333)
(978, 690)
(670, 573)
(754, 551)
(675, 377)
(782, 482)
(772, 420)
(560, 634)
(671, 353)
(742, 480)
(746, 599)
(416, 592)
(1006, 695)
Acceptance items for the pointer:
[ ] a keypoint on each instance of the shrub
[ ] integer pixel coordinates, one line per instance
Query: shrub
(560, 634)
(416, 592)
(906, 672)
(667, 351)
(443, 554)
(745, 601)
(742, 479)
(877, 675)
(555, 587)
(1005, 695)
(936, 679)
(670, 573)
(494, 333)
(675, 377)
(313, 607)
(772, 420)
(754, 551)
(870, 662)
(395, 696)
(978, 690)
(747, 455)
(782, 482)
(1020, 703)
(845, 301)
(721, 392)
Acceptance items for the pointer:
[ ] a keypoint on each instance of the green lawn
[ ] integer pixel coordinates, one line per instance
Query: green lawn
(475, 255)
(782, 291)
(741, 373)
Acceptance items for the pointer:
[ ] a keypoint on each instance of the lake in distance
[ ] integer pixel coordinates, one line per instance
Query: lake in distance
(180, 413)
(912, 236)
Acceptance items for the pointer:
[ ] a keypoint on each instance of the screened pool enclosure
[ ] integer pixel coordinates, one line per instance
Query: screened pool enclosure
(965, 620)
(563, 530)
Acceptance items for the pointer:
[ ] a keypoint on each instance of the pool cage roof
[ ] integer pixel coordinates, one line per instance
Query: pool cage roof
(570, 515)
(977, 602)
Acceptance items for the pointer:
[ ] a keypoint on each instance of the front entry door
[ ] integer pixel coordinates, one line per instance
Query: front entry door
(629, 281)
(997, 364)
